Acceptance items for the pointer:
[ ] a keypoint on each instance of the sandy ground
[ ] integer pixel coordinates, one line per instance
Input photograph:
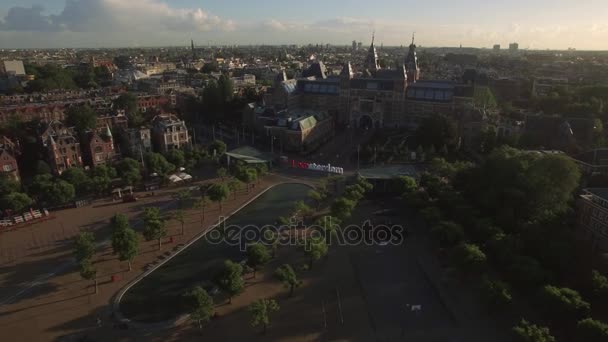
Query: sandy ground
(66, 303)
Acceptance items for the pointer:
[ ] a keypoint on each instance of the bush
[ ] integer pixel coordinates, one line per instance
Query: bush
(563, 303)
(496, 293)
(527, 332)
(591, 330)
(448, 233)
(469, 258)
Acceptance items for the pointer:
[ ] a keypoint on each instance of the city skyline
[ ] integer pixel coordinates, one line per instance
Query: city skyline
(535, 24)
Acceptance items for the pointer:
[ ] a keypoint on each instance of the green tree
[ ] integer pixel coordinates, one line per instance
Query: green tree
(84, 246)
(226, 88)
(248, 176)
(469, 257)
(42, 168)
(591, 330)
(315, 249)
(363, 183)
(527, 332)
(230, 279)
(261, 310)
(234, 185)
(302, 209)
(202, 203)
(261, 171)
(448, 233)
(257, 256)
(342, 208)
(154, 225)
(496, 293)
(129, 171)
(183, 197)
(156, 163)
(78, 178)
(330, 226)
(599, 284)
(83, 118)
(16, 201)
(180, 217)
(50, 191)
(438, 130)
(403, 185)
(221, 173)
(218, 193)
(118, 223)
(557, 177)
(354, 192)
(128, 103)
(176, 157)
(563, 303)
(8, 185)
(272, 239)
(201, 306)
(217, 148)
(126, 244)
(525, 271)
(88, 272)
(431, 215)
(317, 197)
(288, 277)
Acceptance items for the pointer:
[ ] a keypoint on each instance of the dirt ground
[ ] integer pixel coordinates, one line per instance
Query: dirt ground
(42, 296)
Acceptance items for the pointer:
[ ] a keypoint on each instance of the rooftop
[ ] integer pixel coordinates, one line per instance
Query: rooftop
(598, 192)
(389, 172)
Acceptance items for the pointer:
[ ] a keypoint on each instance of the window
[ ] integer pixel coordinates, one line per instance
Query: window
(8, 167)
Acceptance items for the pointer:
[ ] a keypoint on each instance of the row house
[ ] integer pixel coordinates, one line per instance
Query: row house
(98, 147)
(154, 102)
(136, 141)
(44, 113)
(8, 163)
(116, 122)
(62, 147)
(169, 133)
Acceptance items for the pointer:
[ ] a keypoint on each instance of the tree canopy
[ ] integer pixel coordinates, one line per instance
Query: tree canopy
(261, 311)
(438, 130)
(201, 306)
(257, 256)
(230, 280)
(82, 117)
(527, 332)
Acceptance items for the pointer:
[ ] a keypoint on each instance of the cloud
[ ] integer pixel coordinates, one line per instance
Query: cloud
(276, 25)
(115, 16)
(27, 19)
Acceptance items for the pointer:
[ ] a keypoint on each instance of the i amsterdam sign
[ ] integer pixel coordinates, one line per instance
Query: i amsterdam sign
(317, 167)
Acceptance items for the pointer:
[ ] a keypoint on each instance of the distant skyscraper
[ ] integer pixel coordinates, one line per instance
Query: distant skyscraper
(496, 47)
(513, 47)
(359, 45)
(354, 45)
(192, 48)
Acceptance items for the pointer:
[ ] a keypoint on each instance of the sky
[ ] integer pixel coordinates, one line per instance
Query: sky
(534, 24)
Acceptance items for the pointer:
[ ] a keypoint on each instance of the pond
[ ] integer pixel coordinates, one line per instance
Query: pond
(159, 296)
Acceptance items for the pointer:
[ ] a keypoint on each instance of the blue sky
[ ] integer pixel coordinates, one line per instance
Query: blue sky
(536, 24)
